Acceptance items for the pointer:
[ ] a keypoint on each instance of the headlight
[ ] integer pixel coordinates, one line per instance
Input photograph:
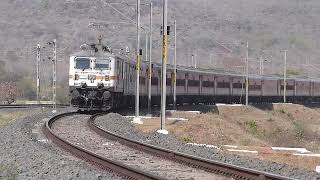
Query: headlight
(92, 77)
(76, 77)
(107, 78)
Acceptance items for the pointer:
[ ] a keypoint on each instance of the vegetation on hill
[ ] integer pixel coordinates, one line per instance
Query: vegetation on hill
(214, 30)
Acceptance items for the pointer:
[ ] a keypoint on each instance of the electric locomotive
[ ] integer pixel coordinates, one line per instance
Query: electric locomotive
(92, 77)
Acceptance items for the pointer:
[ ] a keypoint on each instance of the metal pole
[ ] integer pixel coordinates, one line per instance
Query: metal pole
(54, 82)
(262, 68)
(285, 76)
(138, 60)
(192, 60)
(272, 65)
(175, 67)
(146, 51)
(213, 64)
(260, 65)
(195, 61)
(164, 63)
(150, 61)
(247, 75)
(38, 73)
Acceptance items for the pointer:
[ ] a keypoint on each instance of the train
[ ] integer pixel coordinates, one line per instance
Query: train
(100, 79)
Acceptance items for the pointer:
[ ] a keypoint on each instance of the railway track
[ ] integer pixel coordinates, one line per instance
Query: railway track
(7, 106)
(216, 170)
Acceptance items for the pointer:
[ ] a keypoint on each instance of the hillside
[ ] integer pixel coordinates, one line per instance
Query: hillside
(205, 27)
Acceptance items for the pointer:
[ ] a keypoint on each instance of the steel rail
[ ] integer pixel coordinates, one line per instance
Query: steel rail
(6, 106)
(237, 172)
(95, 159)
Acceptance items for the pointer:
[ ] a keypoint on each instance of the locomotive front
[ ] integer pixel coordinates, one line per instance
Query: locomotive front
(90, 81)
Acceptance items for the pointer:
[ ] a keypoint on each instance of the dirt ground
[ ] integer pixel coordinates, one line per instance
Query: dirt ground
(281, 125)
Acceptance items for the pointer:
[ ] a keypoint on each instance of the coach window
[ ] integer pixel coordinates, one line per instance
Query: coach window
(102, 64)
(223, 84)
(82, 63)
(154, 81)
(181, 82)
(168, 81)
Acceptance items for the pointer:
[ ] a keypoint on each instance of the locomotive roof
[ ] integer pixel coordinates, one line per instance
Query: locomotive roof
(252, 76)
(198, 70)
(88, 53)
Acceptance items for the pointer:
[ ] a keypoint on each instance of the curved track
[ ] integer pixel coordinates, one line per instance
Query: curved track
(234, 172)
(90, 156)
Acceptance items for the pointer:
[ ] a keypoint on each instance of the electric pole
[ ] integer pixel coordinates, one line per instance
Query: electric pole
(38, 73)
(195, 61)
(211, 60)
(192, 60)
(164, 69)
(260, 67)
(175, 68)
(54, 74)
(146, 51)
(54, 82)
(285, 76)
(150, 61)
(137, 118)
(247, 75)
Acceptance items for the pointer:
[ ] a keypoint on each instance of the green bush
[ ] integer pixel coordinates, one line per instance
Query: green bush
(27, 89)
(251, 126)
(8, 171)
(186, 139)
(282, 111)
(299, 129)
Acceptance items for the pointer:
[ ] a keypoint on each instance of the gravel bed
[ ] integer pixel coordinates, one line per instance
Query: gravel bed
(68, 128)
(122, 126)
(25, 153)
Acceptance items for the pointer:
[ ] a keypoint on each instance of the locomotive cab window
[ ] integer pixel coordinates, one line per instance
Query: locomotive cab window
(102, 64)
(82, 63)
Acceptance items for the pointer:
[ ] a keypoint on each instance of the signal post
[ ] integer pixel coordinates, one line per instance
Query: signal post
(164, 68)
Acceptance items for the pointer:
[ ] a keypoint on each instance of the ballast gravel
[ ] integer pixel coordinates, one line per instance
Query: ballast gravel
(68, 129)
(122, 126)
(25, 153)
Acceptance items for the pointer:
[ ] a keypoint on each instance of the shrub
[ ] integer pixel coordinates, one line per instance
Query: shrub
(251, 126)
(282, 111)
(8, 171)
(186, 139)
(27, 89)
(299, 129)
(290, 116)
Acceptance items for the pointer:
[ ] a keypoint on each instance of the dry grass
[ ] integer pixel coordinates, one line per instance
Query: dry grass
(284, 125)
(7, 117)
(309, 163)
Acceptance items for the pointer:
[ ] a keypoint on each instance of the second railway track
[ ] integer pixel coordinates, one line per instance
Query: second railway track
(22, 106)
(81, 136)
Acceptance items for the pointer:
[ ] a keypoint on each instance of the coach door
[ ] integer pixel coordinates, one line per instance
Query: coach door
(119, 77)
(126, 73)
(200, 88)
(186, 84)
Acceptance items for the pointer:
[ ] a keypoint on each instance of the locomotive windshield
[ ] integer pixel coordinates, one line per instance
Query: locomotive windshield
(102, 64)
(82, 63)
